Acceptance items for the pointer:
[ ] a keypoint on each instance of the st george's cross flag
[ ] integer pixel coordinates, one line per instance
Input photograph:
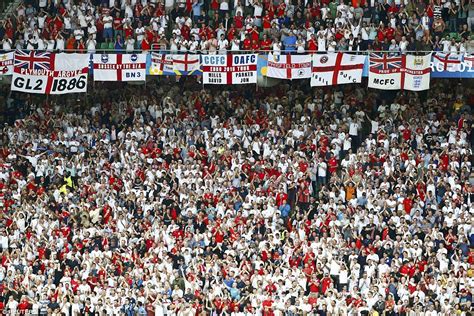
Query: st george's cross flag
(6, 63)
(469, 60)
(417, 72)
(289, 66)
(161, 64)
(229, 69)
(119, 67)
(336, 68)
(446, 62)
(186, 64)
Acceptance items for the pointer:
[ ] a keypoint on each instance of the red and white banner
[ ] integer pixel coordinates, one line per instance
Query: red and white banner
(336, 68)
(186, 63)
(49, 73)
(161, 64)
(447, 62)
(289, 66)
(416, 75)
(408, 72)
(6, 63)
(119, 67)
(469, 60)
(229, 69)
(385, 72)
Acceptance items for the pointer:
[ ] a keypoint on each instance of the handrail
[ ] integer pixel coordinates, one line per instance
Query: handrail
(204, 52)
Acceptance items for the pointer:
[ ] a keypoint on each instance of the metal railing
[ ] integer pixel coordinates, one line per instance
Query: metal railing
(207, 52)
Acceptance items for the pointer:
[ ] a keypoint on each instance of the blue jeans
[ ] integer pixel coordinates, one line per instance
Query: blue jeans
(108, 33)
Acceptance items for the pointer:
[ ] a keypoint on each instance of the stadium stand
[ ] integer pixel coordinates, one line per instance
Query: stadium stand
(176, 200)
(209, 26)
(166, 196)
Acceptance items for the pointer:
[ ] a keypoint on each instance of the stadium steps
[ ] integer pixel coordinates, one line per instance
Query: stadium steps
(8, 7)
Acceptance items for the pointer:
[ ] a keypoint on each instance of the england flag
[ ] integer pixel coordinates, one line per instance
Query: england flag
(336, 68)
(119, 67)
(289, 66)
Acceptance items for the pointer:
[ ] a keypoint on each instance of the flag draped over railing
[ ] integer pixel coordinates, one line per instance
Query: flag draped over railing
(58, 73)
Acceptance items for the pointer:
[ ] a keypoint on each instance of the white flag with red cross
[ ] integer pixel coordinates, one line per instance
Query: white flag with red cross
(119, 67)
(469, 60)
(447, 62)
(336, 68)
(161, 64)
(186, 64)
(289, 66)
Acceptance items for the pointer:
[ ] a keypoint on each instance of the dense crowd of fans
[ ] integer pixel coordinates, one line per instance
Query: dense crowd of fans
(175, 200)
(250, 25)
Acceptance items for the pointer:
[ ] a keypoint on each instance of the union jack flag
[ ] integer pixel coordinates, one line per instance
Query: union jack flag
(384, 64)
(33, 60)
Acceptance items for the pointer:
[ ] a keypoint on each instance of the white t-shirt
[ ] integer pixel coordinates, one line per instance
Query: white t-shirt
(223, 44)
(322, 169)
(78, 34)
(82, 20)
(60, 44)
(353, 128)
(91, 46)
(321, 44)
(107, 21)
(140, 31)
(41, 20)
(235, 45)
(67, 23)
(7, 44)
(343, 276)
(51, 44)
(258, 11)
(130, 44)
(92, 30)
